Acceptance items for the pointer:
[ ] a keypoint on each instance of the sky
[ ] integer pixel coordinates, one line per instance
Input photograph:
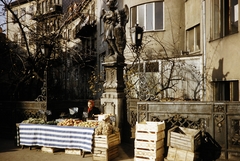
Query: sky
(2, 18)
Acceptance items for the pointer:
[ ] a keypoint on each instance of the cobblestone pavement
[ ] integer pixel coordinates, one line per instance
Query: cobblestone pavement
(10, 152)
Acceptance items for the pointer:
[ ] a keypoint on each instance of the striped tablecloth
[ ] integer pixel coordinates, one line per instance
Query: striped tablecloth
(66, 137)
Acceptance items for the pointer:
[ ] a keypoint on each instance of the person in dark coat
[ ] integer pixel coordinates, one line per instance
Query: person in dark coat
(92, 110)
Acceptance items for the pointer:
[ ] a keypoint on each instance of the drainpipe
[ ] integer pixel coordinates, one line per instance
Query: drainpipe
(204, 48)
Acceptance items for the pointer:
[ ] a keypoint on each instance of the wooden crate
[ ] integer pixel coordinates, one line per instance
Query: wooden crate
(148, 159)
(106, 141)
(149, 144)
(149, 153)
(175, 154)
(49, 150)
(150, 126)
(171, 155)
(104, 154)
(73, 151)
(184, 138)
(144, 135)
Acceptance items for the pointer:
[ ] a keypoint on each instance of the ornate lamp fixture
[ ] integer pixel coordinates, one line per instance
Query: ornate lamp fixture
(45, 50)
(136, 37)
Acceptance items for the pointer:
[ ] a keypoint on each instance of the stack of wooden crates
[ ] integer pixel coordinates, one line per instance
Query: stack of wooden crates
(183, 144)
(149, 141)
(105, 147)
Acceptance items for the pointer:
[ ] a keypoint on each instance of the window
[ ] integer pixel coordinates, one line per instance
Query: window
(225, 91)
(23, 14)
(224, 18)
(138, 67)
(15, 38)
(22, 40)
(152, 67)
(92, 11)
(31, 10)
(43, 7)
(149, 15)
(69, 34)
(16, 14)
(193, 39)
(31, 37)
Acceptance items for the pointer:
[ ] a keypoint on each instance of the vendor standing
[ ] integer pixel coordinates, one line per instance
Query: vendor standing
(92, 110)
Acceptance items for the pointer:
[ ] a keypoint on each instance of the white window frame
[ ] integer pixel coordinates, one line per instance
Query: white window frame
(138, 18)
(196, 46)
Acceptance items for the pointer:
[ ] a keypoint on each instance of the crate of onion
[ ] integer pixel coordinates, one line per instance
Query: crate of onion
(105, 141)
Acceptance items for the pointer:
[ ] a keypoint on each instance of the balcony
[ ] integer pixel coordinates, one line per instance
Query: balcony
(51, 11)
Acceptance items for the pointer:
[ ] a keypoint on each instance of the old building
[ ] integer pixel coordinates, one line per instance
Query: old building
(222, 51)
(169, 63)
(62, 32)
(198, 33)
(170, 32)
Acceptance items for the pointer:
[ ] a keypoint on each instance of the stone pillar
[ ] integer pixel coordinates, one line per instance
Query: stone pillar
(113, 98)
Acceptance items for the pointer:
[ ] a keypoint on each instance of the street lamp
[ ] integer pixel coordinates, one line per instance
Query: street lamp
(45, 52)
(43, 97)
(136, 37)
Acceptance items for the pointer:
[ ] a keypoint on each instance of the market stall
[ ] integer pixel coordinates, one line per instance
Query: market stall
(65, 137)
(73, 135)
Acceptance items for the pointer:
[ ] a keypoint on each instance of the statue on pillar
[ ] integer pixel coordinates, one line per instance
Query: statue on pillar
(114, 30)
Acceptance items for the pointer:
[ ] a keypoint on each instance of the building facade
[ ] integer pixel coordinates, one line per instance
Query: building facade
(199, 33)
(173, 38)
(62, 33)
(169, 64)
(221, 37)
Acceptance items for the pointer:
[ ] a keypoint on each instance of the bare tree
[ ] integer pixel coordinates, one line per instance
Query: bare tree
(164, 74)
(42, 46)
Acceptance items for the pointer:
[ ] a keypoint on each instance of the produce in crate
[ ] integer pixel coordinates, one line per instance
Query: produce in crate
(105, 127)
(79, 123)
(34, 121)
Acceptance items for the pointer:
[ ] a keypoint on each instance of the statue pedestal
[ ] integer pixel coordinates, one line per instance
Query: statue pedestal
(113, 98)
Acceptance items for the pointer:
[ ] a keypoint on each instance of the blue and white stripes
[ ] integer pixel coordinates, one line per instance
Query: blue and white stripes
(66, 137)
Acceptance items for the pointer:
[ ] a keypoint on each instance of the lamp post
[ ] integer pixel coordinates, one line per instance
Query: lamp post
(45, 52)
(136, 37)
(44, 89)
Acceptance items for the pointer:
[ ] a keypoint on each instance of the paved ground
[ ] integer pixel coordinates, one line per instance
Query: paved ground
(10, 152)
